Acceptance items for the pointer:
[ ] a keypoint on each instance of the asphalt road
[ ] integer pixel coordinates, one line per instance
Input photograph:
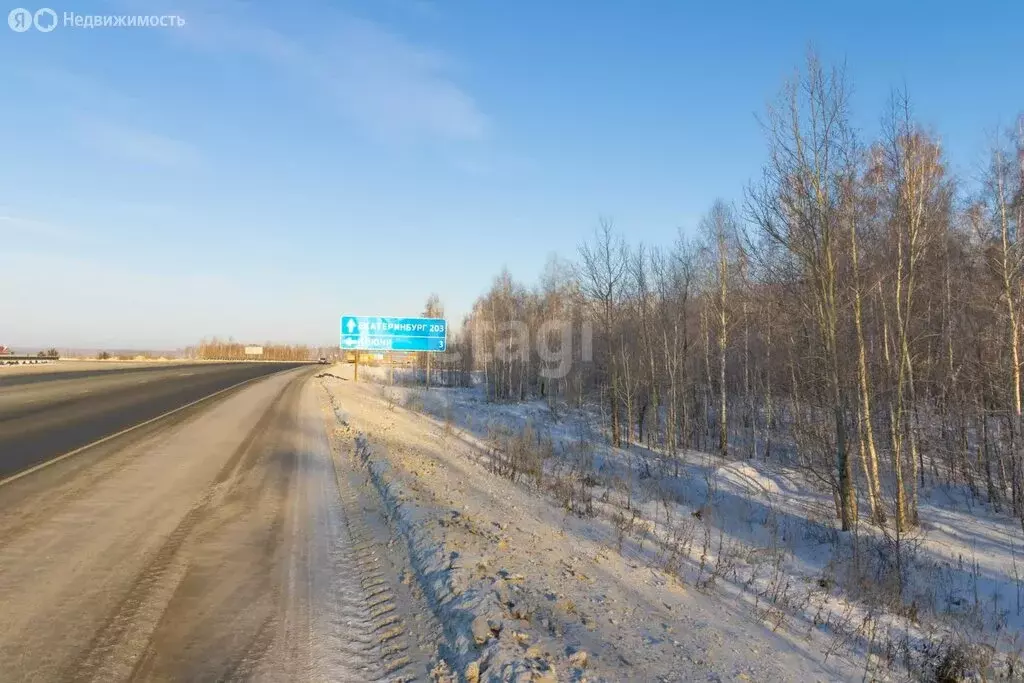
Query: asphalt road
(13, 375)
(235, 540)
(43, 416)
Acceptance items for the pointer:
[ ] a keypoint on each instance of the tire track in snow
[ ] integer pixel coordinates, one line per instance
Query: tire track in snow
(343, 619)
(362, 581)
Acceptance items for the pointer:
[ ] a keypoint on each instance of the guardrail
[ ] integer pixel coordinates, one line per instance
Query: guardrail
(25, 360)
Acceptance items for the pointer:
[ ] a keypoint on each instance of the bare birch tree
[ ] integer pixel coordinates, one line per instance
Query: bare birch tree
(798, 206)
(601, 276)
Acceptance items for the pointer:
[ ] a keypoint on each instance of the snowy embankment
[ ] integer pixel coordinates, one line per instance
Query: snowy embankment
(466, 613)
(526, 588)
(944, 601)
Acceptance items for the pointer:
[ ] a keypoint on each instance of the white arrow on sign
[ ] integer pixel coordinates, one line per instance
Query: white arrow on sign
(349, 342)
(351, 324)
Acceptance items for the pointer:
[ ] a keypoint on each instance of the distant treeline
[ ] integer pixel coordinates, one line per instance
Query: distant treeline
(215, 349)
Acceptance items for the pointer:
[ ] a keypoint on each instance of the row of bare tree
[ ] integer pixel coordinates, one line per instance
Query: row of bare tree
(216, 349)
(857, 313)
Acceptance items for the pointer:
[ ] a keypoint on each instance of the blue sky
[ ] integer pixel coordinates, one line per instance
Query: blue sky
(271, 166)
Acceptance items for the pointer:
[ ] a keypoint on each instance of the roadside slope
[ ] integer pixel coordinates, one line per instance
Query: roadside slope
(564, 600)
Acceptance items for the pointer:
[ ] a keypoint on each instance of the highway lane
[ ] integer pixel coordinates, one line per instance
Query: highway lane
(34, 374)
(235, 540)
(43, 419)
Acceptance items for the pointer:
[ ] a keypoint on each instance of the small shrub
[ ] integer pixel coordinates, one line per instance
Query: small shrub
(624, 520)
(574, 489)
(947, 662)
(573, 492)
(678, 545)
(514, 455)
(414, 401)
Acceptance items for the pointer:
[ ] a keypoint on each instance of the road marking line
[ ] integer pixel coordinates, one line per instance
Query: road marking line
(36, 468)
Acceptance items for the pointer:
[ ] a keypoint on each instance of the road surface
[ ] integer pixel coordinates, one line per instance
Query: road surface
(70, 368)
(226, 542)
(45, 415)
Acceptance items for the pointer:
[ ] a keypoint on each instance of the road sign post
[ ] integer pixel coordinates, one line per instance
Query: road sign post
(382, 334)
(393, 334)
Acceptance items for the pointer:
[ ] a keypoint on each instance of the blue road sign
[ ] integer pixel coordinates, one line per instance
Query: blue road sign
(370, 333)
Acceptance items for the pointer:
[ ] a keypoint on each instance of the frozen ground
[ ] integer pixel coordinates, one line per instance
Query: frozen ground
(694, 567)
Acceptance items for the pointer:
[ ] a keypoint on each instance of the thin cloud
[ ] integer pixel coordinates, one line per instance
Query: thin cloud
(394, 86)
(100, 116)
(137, 145)
(376, 77)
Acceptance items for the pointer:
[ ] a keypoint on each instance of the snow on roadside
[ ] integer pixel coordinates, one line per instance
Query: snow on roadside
(562, 601)
(469, 614)
(774, 545)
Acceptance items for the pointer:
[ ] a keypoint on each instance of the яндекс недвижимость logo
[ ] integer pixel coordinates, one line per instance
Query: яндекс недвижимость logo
(45, 20)
(21, 19)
